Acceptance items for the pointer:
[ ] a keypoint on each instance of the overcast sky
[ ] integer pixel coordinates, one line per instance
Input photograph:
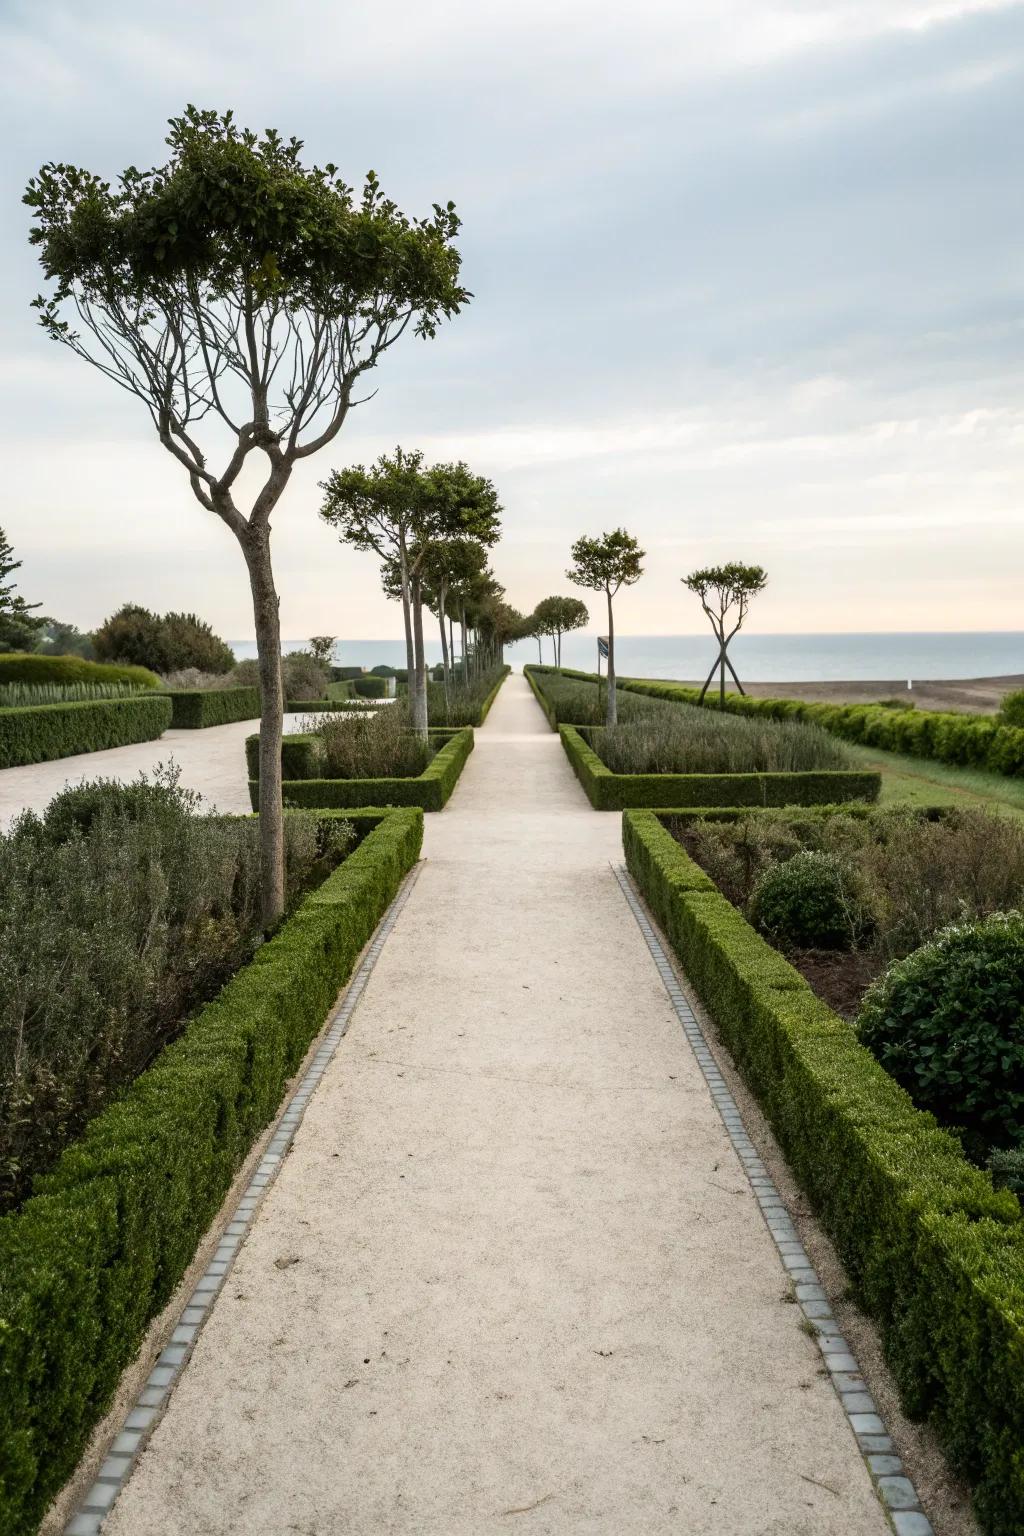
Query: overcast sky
(748, 280)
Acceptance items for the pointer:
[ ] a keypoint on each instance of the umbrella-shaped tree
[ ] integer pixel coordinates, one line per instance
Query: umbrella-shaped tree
(237, 291)
(556, 616)
(605, 565)
(725, 592)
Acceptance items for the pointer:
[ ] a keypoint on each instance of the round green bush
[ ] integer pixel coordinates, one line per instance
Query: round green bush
(810, 901)
(948, 1023)
(26, 667)
(1011, 711)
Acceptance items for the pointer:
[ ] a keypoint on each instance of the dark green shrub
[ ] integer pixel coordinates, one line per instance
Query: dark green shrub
(811, 901)
(165, 643)
(346, 674)
(304, 677)
(91, 1258)
(371, 687)
(948, 1023)
(1011, 711)
(429, 790)
(1006, 1165)
(22, 667)
(51, 731)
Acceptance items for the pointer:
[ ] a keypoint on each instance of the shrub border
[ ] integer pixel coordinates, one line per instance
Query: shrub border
(935, 1255)
(608, 791)
(42, 733)
(95, 1254)
(196, 709)
(430, 790)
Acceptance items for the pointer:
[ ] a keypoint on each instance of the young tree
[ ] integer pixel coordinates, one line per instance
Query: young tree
(19, 630)
(605, 565)
(722, 588)
(322, 648)
(448, 565)
(239, 289)
(559, 615)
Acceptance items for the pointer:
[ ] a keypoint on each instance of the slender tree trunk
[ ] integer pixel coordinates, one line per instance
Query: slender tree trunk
(451, 644)
(559, 647)
(419, 702)
(735, 679)
(612, 711)
(266, 613)
(540, 653)
(465, 644)
(445, 667)
(410, 658)
(707, 681)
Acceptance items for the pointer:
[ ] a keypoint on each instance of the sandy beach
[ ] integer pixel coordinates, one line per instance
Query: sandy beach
(975, 694)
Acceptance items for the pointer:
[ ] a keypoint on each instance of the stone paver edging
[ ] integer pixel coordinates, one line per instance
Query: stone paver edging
(140, 1421)
(895, 1489)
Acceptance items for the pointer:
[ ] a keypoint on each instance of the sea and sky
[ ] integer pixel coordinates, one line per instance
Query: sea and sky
(758, 658)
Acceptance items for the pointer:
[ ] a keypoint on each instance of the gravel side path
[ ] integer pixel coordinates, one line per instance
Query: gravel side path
(511, 1276)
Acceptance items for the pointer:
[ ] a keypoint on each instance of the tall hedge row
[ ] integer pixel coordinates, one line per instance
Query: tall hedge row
(608, 791)
(935, 1255)
(42, 732)
(196, 708)
(97, 1252)
(26, 667)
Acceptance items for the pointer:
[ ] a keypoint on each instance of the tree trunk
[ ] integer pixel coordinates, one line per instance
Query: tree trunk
(611, 716)
(540, 653)
(266, 613)
(451, 644)
(419, 701)
(445, 666)
(559, 649)
(410, 659)
(465, 644)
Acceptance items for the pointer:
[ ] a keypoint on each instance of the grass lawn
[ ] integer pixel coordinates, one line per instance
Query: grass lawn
(919, 781)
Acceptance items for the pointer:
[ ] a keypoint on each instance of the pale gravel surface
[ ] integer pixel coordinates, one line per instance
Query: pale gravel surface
(211, 761)
(511, 1276)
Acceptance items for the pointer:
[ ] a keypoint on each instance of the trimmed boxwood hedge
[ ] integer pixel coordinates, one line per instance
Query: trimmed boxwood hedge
(430, 790)
(26, 667)
(965, 741)
(43, 732)
(197, 708)
(371, 687)
(608, 791)
(935, 1255)
(97, 1252)
(485, 707)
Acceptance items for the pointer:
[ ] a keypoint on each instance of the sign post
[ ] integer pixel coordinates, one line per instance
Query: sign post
(602, 650)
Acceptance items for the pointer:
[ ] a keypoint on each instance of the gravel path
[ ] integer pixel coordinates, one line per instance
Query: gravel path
(511, 1276)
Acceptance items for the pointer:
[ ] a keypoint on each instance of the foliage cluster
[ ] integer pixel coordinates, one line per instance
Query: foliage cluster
(162, 642)
(688, 740)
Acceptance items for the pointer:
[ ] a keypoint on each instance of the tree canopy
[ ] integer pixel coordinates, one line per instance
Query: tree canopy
(607, 563)
(725, 593)
(19, 627)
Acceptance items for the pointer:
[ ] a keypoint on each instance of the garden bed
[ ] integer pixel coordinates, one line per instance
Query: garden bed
(97, 1251)
(934, 1253)
(608, 791)
(429, 789)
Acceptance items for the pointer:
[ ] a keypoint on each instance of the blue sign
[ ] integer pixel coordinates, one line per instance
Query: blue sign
(602, 645)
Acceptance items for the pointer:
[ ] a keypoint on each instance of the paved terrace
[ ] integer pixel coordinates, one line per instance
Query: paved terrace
(512, 1275)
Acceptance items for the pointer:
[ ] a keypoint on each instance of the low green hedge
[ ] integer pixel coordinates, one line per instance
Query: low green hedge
(43, 732)
(965, 741)
(485, 707)
(371, 687)
(430, 790)
(197, 708)
(333, 706)
(608, 791)
(541, 697)
(935, 1255)
(25, 667)
(96, 1253)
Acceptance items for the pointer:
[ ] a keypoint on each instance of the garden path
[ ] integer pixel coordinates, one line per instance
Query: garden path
(511, 1276)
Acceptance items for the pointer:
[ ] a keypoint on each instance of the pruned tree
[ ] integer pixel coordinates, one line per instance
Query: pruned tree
(557, 616)
(236, 291)
(725, 592)
(20, 630)
(449, 566)
(605, 565)
(400, 510)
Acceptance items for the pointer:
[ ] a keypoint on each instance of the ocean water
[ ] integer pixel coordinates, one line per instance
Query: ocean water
(757, 658)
